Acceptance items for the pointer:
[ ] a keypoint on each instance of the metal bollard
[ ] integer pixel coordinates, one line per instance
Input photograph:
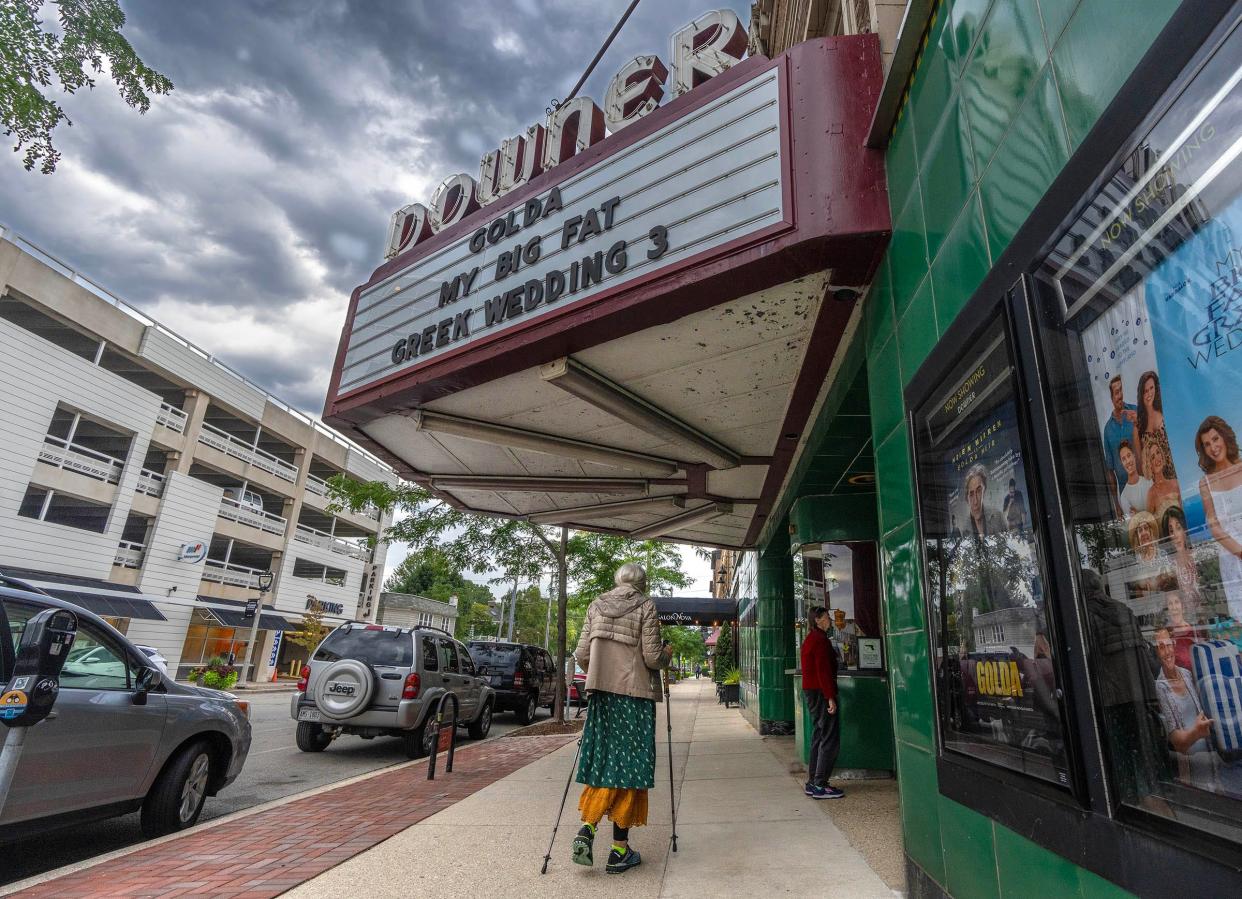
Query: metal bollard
(440, 737)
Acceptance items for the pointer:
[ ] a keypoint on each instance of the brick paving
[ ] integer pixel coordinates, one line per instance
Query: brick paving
(269, 852)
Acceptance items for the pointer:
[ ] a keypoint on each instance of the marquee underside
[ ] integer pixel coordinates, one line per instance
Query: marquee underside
(727, 372)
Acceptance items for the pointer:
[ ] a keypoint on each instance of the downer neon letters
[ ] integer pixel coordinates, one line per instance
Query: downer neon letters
(701, 50)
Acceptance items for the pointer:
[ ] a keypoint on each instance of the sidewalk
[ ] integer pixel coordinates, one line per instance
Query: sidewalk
(744, 828)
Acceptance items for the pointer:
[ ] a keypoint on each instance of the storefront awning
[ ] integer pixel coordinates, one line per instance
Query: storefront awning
(646, 360)
(102, 597)
(233, 614)
(691, 610)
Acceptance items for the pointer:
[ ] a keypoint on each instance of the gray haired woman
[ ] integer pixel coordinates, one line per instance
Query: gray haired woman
(621, 652)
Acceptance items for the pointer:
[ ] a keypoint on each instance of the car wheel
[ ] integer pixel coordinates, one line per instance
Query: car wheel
(526, 713)
(417, 742)
(177, 796)
(480, 726)
(312, 737)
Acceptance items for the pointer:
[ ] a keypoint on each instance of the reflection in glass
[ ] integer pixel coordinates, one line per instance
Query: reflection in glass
(1144, 350)
(996, 683)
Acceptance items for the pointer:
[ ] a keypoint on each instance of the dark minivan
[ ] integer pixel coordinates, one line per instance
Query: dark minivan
(523, 676)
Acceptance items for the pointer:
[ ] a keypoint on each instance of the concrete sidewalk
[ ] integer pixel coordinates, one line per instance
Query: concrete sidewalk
(744, 828)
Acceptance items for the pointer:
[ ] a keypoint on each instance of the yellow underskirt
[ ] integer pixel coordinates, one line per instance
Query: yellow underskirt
(625, 808)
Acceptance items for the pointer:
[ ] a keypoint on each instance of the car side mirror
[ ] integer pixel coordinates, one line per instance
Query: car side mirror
(146, 681)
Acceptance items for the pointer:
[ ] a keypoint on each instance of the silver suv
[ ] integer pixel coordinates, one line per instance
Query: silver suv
(122, 735)
(377, 680)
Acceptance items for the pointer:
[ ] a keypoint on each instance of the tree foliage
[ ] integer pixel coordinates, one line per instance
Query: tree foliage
(465, 541)
(687, 645)
(726, 656)
(33, 60)
(429, 573)
(311, 631)
(595, 558)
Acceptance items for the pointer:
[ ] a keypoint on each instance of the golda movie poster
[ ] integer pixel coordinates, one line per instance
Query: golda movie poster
(975, 462)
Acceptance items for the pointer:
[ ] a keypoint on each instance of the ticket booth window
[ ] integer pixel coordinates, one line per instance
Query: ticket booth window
(843, 578)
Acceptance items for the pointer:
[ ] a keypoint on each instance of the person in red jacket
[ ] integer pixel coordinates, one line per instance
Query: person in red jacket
(819, 685)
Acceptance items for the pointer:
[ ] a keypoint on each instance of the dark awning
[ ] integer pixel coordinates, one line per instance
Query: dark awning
(695, 610)
(235, 616)
(93, 594)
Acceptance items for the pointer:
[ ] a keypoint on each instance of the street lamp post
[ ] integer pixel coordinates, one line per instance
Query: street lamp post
(265, 584)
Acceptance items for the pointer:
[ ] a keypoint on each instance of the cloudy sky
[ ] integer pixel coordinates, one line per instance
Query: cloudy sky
(246, 205)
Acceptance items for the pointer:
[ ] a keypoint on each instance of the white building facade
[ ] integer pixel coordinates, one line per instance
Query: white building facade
(152, 484)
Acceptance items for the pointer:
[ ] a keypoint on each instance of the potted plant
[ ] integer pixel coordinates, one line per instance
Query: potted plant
(216, 674)
(730, 686)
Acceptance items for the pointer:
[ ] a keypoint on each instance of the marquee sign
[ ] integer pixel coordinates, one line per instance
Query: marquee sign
(697, 183)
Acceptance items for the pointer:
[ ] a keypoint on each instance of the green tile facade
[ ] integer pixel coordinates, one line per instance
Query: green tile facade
(1003, 94)
(774, 632)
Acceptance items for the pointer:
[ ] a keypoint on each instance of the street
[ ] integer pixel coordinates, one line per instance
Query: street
(274, 768)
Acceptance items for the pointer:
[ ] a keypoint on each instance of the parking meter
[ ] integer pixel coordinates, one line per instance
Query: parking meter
(41, 655)
(35, 682)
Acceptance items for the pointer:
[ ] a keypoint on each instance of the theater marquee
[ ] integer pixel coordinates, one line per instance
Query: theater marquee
(685, 189)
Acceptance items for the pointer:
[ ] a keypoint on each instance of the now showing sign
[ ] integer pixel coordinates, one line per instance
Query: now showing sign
(703, 180)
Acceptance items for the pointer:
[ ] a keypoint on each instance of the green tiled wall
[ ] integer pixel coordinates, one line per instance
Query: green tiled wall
(747, 637)
(774, 616)
(1004, 93)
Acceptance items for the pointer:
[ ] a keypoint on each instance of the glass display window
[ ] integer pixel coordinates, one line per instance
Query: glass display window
(993, 652)
(1140, 305)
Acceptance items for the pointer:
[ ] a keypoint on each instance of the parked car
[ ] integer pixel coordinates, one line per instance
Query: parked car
(122, 736)
(376, 680)
(523, 676)
(247, 498)
(156, 657)
(577, 687)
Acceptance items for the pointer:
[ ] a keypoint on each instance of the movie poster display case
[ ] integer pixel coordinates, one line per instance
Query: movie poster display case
(1079, 496)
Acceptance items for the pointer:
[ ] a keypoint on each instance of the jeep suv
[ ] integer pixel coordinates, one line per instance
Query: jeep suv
(378, 680)
(523, 676)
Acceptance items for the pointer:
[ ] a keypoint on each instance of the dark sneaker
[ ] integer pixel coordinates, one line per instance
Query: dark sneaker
(619, 864)
(582, 846)
(831, 792)
(809, 789)
(816, 792)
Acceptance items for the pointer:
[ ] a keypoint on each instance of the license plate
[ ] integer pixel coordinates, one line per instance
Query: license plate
(495, 680)
(309, 715)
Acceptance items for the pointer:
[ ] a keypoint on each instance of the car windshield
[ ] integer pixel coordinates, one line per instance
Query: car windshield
(494, 654)
(378, 647)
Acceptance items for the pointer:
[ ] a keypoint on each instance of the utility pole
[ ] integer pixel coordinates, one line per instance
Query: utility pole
(513, 607)
(547, 623)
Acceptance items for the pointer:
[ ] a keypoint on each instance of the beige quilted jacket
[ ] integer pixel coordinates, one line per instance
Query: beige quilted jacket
(619, 648)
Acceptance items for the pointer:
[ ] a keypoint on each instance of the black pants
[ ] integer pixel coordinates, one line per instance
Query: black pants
(825, 739)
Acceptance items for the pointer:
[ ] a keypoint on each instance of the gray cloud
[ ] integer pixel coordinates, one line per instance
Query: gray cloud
(244, 207)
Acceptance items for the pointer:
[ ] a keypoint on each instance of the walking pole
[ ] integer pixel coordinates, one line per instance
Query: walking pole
(672, 796)
(547, 858)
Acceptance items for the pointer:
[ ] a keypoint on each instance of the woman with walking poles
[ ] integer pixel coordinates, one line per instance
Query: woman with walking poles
(621, 651)
(819, 685)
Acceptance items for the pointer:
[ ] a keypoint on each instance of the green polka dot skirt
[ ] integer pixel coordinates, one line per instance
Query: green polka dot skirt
(618, 742)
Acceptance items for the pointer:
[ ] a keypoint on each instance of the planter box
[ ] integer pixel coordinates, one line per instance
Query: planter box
(729, 694)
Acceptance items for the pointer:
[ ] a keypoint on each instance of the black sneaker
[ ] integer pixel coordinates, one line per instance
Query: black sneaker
(582, 846)
(619, 864)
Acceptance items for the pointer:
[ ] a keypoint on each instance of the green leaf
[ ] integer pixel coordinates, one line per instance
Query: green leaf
(33, 61)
